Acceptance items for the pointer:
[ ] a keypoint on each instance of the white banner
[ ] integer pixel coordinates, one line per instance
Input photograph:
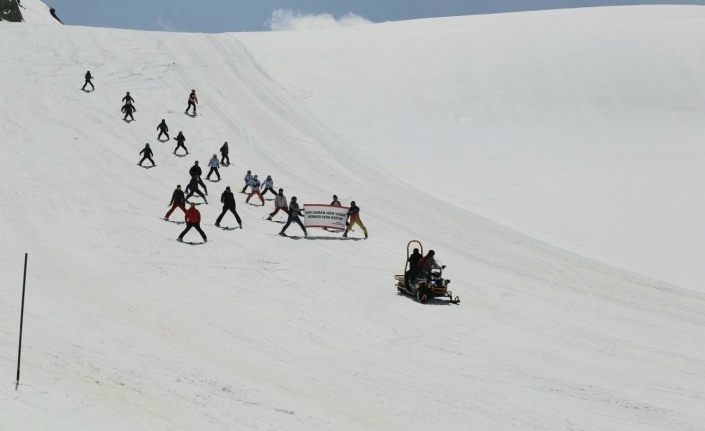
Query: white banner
(325, 216)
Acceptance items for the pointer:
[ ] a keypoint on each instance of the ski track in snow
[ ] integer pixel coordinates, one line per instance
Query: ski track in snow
(128, 329)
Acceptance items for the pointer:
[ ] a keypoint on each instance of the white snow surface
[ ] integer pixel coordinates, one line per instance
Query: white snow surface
(583, 128)
(127, 329)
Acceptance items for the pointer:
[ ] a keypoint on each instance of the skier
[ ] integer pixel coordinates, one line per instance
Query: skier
(88, 77)
(254, 185)
(178, 200)
(163, 130)
(248, 180)
(354, 218)
(180, 139)
(128, 100)
(195, 170)
(413, 271)
(214, 164)
(294, 213)
(279, 204)
(192, 102)
(128, 109)
(193, 220)
(336, 202)
(224, 154)
(228, 201)
(193, 188)
(146, 154)
(268, 186)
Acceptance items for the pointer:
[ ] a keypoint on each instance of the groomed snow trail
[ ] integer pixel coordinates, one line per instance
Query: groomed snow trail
(128, 329)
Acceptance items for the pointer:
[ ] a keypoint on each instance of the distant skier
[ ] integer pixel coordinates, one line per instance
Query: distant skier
(224, 150)
(294, 213)
(192, 102)
(128, 100)
(254, 186)
(180, 139)
(163, 130)
(178, 200)
(128, 109)
(248, 180)
(146, 154)
(193, 220)
(214, 164)
(192, 189)
(336, 202)
(89, 79)
(354, 219)
(279, 204)
(268, 186)
(228, 201)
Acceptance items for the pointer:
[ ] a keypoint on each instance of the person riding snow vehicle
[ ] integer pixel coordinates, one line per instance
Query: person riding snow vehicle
(427, 264)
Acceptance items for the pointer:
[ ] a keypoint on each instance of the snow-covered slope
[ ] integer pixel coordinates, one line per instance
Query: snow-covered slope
(581, 127)
(128, 329)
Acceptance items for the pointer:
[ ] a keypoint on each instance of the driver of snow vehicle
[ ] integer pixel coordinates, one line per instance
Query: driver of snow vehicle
(413, 271)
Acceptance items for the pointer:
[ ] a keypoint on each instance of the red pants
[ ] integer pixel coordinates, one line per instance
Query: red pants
(285, 209)
(183, 208)
(255, 192)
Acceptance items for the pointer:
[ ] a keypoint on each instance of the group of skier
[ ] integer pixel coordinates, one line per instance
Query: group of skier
(180, 198)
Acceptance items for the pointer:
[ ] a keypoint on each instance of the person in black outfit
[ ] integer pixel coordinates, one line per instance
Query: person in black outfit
(89, 77)
(128, 100)
(146, 154)
(193, 188)
(224, 155)
(180, 139)
(294, 213)
(178, 200)
(128, 109)
(163, 130)
(413, 271)
(228, 200)
(195, 170)
(196, 173)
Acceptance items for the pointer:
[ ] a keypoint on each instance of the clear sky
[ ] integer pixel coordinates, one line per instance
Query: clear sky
(255, 15)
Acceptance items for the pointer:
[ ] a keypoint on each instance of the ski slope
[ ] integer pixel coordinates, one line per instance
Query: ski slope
(583, 128)
(128, 329)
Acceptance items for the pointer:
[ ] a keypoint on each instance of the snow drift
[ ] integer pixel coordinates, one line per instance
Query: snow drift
(128, 329)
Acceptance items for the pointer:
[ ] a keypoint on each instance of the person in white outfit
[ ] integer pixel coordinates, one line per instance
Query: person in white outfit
(214, 163)
(280, 204)
(268, 186)
(248, 180)
(254, 186)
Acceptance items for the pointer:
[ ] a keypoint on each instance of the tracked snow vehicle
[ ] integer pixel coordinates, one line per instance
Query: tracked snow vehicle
(424, 286)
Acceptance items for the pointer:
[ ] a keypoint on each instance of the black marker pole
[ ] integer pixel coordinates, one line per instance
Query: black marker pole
(19, 349)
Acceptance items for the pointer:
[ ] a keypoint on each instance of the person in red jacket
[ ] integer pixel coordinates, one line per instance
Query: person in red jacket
(193, 220)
